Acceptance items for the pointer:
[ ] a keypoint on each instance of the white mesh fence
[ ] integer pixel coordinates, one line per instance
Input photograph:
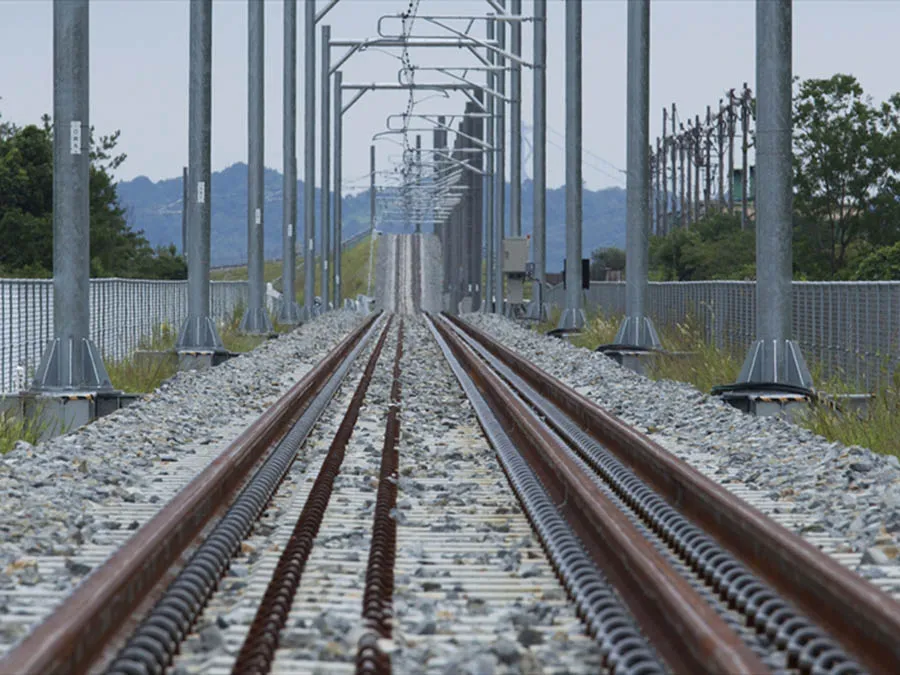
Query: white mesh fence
(125, 314)
(845, 329)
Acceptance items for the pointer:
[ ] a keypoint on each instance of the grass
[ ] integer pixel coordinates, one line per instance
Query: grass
(140, 375)
(701, 364)
(704, 366)
(599, 330)
(271, 271)
(13, 429)
(354, 265)
(552, 321)
(877, 428)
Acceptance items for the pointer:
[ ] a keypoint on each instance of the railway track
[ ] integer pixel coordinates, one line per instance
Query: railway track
(528, 529)
(804, 610)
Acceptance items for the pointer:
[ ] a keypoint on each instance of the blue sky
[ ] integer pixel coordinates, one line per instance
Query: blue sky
(139, 48)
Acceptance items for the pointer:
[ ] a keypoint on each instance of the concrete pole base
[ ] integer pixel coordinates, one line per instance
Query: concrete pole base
(256, 322)
(198, 333)
(774, 362)
(71, 364)
(537, 311)
(59, 413)
(572, 319)
(289, 314)
(201, 360)
(638, 331)
(310, 313)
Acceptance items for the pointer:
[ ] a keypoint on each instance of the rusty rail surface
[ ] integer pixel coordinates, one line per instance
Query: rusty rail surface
(261, 643)
(77, 632)
(377, 610)
(865, 619)
(683, 627)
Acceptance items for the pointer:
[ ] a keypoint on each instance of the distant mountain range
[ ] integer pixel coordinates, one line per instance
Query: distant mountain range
(155, 208)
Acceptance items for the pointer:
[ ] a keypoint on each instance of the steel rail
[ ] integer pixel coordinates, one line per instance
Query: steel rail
(377, 610)
(153, 645)
(605, 618)
(862, 617)
(258, 651)
(803, 644)
(686, 631)
(71, 639)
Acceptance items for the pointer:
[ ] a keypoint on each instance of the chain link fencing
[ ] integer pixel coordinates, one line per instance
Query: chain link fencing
(847, 330)
(125, 315)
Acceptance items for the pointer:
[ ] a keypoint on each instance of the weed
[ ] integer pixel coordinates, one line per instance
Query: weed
(354, 266)
(13, 429)
(600, 329)
(695, 361)
(141, 373)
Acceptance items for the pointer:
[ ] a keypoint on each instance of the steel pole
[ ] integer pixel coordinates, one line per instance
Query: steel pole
(500, 168)
(731, 122)
(71, 361)
(256, 319)
(490, 183)
(325, 226)
(539, 158)
(198, 332)
(515, 125)
(637, 328)
(436, 144)
(689, 152)
(697, 161)
(418, 176)
(573, 316)
(476, 127)
(338, 177)
(665, 178)
(720, 128)
(745, 147)
(657, 188)
(289, 312)
(465, 231)
(309, 165)
(371, 214)
(774, 358)
(677, 200)
(185, 198)
(708, 166)
(445, 231)
(456, 236)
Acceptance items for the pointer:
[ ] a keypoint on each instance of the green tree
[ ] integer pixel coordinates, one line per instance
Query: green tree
(882, 264)
(26, 200)
(845, 156)
(26, 211)
(603, 259)
(713, 248)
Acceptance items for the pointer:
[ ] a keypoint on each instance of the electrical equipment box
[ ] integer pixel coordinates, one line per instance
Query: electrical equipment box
(515, 255)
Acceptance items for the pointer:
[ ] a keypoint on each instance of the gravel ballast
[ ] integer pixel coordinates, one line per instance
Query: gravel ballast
(844, 498)
(68, 503)
(474, 591)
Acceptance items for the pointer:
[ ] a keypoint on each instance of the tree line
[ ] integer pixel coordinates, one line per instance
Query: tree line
(26, 211)
(846, 208)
